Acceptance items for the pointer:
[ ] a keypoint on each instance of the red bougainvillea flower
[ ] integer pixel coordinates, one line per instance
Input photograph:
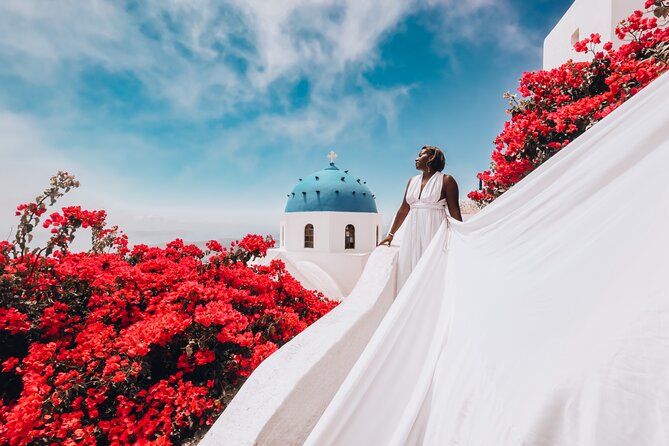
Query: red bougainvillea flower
(132, 346)
(560, 104)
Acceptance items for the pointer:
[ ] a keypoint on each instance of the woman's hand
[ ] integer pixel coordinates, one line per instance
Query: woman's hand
(399, 218)
(387, 241)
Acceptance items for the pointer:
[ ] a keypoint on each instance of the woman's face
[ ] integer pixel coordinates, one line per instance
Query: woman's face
(422, 159)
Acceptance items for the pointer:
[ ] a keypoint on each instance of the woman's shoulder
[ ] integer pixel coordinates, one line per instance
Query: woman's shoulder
(447, 178)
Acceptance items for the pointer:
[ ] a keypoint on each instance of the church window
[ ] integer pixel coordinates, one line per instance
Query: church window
(349, 237)
(377, 234)
(575, 37)
(309, 236)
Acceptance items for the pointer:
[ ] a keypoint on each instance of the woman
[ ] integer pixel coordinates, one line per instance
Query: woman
(386, 397)
(423, 208)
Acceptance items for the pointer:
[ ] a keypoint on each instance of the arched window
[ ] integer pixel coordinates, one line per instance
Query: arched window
(377, 234)
(349, 237)
(309, 236)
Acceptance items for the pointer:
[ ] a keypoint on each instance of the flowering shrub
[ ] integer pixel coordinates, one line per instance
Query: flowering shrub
(560, 104)
(137, 345)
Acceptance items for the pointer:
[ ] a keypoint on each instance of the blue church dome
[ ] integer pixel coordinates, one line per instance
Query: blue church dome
(331, 190)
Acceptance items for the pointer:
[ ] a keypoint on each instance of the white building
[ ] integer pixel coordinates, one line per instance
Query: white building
(328, 230)
(585, 17)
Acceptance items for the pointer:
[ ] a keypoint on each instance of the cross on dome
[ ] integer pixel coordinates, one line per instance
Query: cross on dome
(332, 156)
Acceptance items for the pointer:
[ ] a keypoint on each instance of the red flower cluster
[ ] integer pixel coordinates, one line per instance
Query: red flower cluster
(75, 216)
(250, 246)
(560, 104)
(140, 346)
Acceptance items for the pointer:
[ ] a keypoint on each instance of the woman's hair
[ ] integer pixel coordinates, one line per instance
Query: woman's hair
(439, 161)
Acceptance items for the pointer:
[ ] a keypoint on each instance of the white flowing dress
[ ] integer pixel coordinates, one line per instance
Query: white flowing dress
(545, 321)
(427, 213)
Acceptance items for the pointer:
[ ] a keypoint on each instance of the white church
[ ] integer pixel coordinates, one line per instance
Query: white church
(328, 230)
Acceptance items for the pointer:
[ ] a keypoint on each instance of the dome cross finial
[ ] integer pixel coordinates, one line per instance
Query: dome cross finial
(332, 157)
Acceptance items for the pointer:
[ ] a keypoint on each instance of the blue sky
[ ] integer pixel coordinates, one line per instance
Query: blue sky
(196, 118)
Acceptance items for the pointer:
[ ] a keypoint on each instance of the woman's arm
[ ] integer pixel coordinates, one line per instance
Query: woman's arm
(399, 219)
(450, 190)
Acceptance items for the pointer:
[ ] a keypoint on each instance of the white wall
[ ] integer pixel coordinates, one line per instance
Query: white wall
(329, 230)
(284, 397)
(344, 268)
(583, 18)
(311, 276)
(621, 9)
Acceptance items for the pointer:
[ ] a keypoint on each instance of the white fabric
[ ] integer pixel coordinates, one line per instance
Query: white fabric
(546, 321)
(427, 212)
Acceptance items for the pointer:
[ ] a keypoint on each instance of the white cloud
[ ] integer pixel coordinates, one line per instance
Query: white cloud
(218, 53)
(486, 22)
(202, 59)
